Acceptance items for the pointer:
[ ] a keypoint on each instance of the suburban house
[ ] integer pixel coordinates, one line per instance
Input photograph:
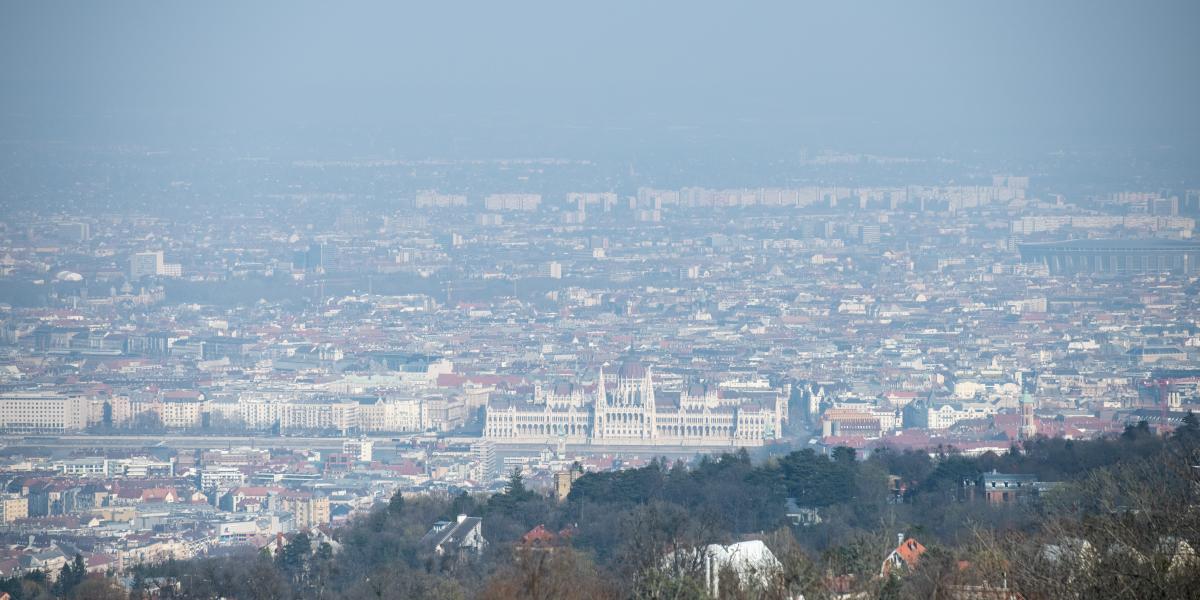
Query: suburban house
(905, 556)
(461, 538)
(540, 538)
(801, 515)
(1002, 488)
(752, 562)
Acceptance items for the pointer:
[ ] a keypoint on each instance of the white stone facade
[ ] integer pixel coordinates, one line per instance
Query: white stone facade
(624, 408)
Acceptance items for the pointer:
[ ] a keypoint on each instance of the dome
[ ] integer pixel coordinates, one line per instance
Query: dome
(632, 370)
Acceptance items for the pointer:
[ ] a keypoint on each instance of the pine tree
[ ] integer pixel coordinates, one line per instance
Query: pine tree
(72, 575)
(516, 485)
(294, 557)
(396, 504)
(1190, 425)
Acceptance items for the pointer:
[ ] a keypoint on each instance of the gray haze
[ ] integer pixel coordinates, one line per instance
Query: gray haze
(585, 79)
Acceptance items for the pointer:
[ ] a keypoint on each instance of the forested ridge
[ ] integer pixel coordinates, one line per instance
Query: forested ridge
(1123, 520)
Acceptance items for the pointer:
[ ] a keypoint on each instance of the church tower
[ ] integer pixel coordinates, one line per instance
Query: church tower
(599, 408)
(1028, 424)
(649, 409)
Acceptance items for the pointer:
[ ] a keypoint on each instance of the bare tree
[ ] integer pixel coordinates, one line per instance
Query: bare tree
(663, 552)
(549, 574)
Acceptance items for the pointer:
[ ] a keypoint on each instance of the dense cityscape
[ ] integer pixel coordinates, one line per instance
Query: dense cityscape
(448, 348)
(177, 387)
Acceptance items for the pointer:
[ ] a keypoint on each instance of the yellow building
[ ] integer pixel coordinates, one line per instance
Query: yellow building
(307, 510)
(13, 507)
(563, 481)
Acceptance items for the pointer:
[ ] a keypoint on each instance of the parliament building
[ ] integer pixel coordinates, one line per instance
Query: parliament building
(624, 408)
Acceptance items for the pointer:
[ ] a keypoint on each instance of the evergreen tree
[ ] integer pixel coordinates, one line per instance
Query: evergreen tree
(516, 485)
(72, 574)
(463, 504)
(396, 504)
(294, 557)
(137, 589)
(1190, 428)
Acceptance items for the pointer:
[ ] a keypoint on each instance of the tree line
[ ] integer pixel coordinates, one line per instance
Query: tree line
(1124, 518)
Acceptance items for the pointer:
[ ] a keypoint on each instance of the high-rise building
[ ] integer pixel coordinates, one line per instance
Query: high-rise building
(1164, 206)
(150, 264)
(145, 264)
(1191, 203)
(869, 234)
(552, 269)
(487, 467)
(322, 256)
(431, 199)
(524, 202)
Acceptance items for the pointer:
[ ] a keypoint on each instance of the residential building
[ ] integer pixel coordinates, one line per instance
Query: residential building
(460, 539)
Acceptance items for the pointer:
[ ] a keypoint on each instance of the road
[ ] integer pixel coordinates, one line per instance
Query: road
(387, 442)
(181, 442)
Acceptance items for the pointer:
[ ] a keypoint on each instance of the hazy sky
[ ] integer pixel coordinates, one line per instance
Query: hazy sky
(572, 78)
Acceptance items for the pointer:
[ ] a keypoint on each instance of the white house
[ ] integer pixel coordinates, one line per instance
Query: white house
(460, 538)
(753, 563)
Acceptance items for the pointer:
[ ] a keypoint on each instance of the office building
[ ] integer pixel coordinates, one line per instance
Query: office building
(42, 412)
(151, 264)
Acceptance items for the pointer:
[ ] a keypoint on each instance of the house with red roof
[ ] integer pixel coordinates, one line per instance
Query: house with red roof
(905, 556)
(541, 538)
(159, 495)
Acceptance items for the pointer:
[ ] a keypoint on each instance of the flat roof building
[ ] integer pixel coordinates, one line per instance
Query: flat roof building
(39, 411)
(1114, 256)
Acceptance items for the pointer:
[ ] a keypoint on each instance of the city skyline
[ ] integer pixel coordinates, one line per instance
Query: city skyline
(599, 301)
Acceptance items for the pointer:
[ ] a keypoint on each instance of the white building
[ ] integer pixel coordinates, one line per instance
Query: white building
(752, 562)
(625, 409)
(150, 264)
(391, 415)
(942, 416)
(311, 415)
(526, 202)
(182, 414)
(321, 416)
(430, 199)
(83, 467)
(362, 449)
(221, 477)
(552, 269)
(42, 411)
